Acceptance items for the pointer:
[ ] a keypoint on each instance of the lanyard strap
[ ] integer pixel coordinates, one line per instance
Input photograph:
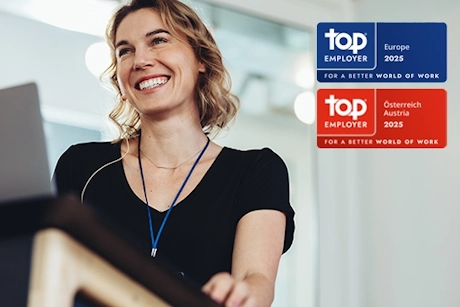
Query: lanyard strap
(152, 236)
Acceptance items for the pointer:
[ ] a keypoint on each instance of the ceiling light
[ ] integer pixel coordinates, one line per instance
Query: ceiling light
(97, 58)
(305, 108)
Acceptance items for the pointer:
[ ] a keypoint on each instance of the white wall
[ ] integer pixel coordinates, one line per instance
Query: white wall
(390, 219)
(55, 59)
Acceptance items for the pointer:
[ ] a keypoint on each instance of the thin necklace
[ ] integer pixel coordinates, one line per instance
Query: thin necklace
(171, 167)
(152, 236)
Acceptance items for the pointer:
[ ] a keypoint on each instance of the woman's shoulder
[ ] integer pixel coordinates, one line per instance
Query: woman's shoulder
(91, 148)
(251, 163)
(77, 163)
(90, 153)
(253, 155)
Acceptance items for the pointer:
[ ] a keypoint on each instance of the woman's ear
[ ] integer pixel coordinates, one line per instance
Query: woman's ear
(201, 67)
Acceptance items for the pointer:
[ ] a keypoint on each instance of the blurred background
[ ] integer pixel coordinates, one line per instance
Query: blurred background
(375, 228)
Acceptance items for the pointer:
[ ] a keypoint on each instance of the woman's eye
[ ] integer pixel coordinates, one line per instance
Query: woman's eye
(123, 51)
(159, 40)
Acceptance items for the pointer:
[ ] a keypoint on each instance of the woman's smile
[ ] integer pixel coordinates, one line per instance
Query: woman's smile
(150, 82)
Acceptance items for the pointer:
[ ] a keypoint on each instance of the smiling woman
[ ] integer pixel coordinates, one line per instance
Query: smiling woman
(217, 105)
(155, 70)
(219, 216)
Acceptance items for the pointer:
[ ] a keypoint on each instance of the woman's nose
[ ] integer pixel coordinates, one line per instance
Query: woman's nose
(143, 59)
(139, 65)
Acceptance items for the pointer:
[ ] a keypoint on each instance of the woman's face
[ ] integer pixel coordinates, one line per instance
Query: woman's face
(156, 72)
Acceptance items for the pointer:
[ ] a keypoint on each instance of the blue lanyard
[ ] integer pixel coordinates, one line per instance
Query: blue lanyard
(152, 236)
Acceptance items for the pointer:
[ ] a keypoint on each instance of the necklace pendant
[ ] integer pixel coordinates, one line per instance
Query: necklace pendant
(154, 252)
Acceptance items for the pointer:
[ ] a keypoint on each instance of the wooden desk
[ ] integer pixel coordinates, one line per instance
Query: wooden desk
(53, 249)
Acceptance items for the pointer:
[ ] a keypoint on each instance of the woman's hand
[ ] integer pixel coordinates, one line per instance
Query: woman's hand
(225, 289)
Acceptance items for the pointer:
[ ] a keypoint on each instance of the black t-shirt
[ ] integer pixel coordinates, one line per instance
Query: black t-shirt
(199, 234)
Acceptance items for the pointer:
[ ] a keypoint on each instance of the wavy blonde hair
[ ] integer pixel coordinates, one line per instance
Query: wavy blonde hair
(216, 104)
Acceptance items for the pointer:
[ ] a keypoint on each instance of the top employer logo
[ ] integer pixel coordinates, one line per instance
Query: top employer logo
(346, 42)
(346, 45)
(345, 111)
(354, 109)
(351, 42)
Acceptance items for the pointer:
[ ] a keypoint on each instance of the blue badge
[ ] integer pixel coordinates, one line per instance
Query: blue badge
(381, 52)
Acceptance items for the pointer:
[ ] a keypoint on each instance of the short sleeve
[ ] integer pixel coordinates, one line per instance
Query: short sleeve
(266, 186)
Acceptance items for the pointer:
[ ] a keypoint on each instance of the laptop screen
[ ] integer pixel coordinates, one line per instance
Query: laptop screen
(24, 170)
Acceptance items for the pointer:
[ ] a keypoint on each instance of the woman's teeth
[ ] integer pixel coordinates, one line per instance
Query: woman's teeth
(151, 83)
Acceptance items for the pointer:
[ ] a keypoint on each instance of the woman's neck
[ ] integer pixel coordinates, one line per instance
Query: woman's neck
(169, 144)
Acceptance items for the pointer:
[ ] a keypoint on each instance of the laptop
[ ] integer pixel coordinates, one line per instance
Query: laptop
(24, 166)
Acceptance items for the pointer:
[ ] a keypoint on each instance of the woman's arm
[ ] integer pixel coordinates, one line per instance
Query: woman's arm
(258, 247)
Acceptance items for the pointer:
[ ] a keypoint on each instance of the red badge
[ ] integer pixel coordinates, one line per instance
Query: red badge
(381, 118)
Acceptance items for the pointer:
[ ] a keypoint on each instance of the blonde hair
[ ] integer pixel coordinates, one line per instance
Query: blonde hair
(216, 104)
